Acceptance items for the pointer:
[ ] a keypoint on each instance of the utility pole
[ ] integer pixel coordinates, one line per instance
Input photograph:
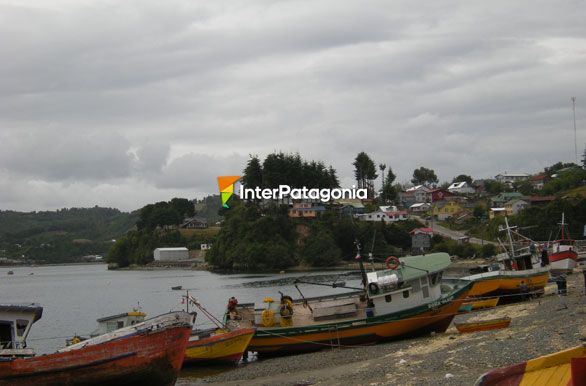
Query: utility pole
(575, 136)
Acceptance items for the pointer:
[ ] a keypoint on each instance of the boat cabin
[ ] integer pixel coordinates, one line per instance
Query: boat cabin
(416, 282)
(15, 324)
(115, 322)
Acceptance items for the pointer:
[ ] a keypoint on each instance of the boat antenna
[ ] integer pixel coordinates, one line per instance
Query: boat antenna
(370, 255)
(361, 264)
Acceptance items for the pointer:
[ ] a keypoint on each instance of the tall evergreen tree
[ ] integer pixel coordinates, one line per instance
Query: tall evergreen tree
(365, 172)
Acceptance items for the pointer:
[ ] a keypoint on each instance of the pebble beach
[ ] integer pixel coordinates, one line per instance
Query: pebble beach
(539, 326)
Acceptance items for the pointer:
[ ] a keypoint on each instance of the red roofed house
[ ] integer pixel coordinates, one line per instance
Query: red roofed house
(421, 239)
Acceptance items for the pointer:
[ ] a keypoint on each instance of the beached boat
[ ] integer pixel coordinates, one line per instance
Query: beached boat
(111, 323)
(567, 367)
(147, 353)
(215, 345)
(483, 325)
(401, 301)
(563, 257)
(518, 270)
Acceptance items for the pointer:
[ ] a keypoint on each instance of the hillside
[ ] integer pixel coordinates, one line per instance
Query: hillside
(61, 236)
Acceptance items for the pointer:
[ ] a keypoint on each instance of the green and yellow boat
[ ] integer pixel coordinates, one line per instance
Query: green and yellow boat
(402, 301)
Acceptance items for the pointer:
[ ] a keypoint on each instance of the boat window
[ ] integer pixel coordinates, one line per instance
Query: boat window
(21, 326)
(120, 324)
(415, 287)
(433, 278)
(423, 280)
(406, 294)
(388, 298)
(5, 334)
(425, 291)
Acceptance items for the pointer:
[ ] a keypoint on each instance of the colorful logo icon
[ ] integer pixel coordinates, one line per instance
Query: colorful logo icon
(226, 185)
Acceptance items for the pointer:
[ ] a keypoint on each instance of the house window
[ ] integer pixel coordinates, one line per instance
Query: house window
(388, 298)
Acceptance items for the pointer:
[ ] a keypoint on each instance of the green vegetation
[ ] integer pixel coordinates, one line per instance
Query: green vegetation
(365, 172)
(424, 176)
(567, 179)
(252, 239)
(61, 236)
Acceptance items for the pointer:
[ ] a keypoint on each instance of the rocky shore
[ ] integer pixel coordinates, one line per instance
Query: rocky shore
(539, 326)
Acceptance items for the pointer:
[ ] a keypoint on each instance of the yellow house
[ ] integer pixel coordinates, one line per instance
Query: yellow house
(445, 209)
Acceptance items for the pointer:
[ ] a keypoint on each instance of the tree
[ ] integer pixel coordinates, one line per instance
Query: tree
(424, 176)
(389, 190)
(365, 172)
(494, 187)
(252, 173)
(320, 249)
(553, 169)
(463, 178)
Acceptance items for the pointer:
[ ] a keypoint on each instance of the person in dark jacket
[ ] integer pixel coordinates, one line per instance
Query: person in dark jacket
(544, 258)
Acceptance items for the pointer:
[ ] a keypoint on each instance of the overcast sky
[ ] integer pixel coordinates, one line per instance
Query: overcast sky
(123, 103)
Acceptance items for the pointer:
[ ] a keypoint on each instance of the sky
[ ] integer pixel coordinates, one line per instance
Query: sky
(124, 103)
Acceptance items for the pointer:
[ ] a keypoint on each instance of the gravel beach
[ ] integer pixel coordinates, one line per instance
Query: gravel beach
(539, 326)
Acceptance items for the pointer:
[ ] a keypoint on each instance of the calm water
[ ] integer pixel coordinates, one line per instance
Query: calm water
(75, 296)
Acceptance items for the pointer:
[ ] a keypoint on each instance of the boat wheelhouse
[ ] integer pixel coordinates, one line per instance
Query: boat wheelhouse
(16, 321)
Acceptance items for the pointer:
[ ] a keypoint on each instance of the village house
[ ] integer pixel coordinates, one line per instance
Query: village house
(540, 200)
(510, 178)
(305, 210)
(514, 206)
(461, 188)
(392, 216)
(420, 208)
(421, 239)
(500, 199)
(194, 223)
(419, 193)
(350, 206)
(444, 210)
(497, 212)
(539, 180)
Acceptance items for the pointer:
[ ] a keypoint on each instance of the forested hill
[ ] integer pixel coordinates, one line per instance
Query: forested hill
(63, 235)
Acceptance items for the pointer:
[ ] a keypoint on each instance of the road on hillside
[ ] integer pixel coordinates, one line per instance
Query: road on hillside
(450, 233)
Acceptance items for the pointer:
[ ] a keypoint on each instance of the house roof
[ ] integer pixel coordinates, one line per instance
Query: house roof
(317, 208)
(498, 209)
(540, 198)
(505, 174)
(421, 230)
(538, 177)
(458, 185)
(419, 204)
(172, 249)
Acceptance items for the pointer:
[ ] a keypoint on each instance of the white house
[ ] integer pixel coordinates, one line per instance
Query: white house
(510, 178)
(461, 187)
(171, 254)
(392, 216)
(420, 207)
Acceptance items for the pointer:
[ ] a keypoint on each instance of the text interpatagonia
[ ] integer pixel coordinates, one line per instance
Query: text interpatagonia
(303, 193)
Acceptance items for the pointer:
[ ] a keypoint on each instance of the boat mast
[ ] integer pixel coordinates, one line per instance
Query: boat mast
(510, 237)
(361, 265)
(563, 225)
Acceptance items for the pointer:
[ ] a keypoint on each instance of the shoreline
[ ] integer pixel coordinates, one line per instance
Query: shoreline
(540, 326)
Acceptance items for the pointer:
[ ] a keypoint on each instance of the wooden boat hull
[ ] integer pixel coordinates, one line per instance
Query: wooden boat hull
(144, 358)
(485, 325)
(221, 348)
(563, 261)
(562, 368)
(411, 322)
(508, 284)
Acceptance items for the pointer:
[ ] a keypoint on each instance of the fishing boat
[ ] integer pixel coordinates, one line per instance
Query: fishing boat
(483, 325)
(111, 323)
(567, 367)
(401, 301)
(147, 353)
(217, 345)
(563, 257)
(518, 270)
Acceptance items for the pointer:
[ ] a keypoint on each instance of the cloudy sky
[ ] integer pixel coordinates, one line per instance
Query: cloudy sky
(123, 103)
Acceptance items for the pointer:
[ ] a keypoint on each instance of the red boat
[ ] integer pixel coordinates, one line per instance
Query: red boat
(148, 353)
(563, 257)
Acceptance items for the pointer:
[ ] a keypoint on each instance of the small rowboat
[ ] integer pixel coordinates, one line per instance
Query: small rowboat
(483, 325)
(485, 303)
